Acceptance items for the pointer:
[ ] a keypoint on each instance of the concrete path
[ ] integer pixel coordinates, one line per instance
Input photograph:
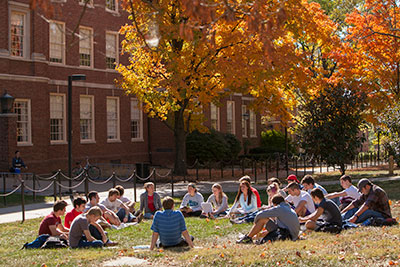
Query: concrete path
(13, 214)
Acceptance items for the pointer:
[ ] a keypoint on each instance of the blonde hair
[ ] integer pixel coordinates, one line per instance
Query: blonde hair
(95, 211)
(221, 193)
(147, 185)
(112, 192)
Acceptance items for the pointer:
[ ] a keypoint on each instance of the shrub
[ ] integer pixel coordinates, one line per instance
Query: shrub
(272, 141)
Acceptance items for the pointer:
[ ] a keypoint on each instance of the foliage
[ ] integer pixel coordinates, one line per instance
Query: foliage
(212, 146)
(389, 126)
(330, 125)
(272, 141)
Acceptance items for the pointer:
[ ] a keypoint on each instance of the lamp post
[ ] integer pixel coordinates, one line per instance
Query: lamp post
(74, 77)
(6, 102)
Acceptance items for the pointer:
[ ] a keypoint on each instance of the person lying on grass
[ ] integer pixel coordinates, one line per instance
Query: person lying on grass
(120, 209)
(191, 202)
(280, 222)
(125, 200)
(169, 226)
(79, 205)
(80, 236)
(150, 201)
(373, 203)
(348, 195)
(52, 225)
(327, 213)
(301, 200)
(108, 215)
(217, 203)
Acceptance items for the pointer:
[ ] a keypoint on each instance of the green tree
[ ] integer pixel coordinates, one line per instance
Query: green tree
(330, 125)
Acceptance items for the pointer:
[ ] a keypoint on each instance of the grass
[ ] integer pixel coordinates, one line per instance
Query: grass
(371, 172)
(367, 246)
(15, 199)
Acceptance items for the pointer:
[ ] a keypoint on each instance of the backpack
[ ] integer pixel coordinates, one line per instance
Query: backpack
(55, 242)
(329, 228)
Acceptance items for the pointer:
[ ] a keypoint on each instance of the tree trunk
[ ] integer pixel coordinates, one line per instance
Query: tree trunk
(180, 144)
(342, 168)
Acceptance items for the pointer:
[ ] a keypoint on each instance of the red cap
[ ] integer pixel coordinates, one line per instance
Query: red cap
(292, 177)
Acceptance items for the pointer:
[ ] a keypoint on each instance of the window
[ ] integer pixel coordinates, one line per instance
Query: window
(57, 117)
(245, 117)
(87, 119)
(230, 117)
(111, 50)
(111, 5)
(136, 120)
(112, 118)
(85, 47)
(57, 42)
(18, 34)
(22, 108)
(214, 110)
(253, 123)
(89, 2)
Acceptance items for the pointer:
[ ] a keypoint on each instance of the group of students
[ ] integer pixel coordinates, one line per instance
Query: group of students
(298, 203)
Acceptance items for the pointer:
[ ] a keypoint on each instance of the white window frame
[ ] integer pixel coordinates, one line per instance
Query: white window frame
(118, 137)
(90, 3)
(92, 139)
(91, 47)
(112, 10)
(62, 24)
(244, 121)
(253, 123)
(232, 103)
(29, 122)
(20, 9)
(116, 47)
(217, 112)
(64, 140)
(140, 138)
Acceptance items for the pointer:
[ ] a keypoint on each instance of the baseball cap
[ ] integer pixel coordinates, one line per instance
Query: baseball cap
(292, 177)
(363, 182)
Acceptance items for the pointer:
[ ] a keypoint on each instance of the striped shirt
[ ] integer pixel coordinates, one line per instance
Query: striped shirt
(169, 224)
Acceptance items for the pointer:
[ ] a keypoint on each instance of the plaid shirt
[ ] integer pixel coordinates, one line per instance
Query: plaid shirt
(376, 200)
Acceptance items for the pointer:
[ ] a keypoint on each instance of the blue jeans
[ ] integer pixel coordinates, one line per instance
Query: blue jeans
(148, 215)
(121, 215)
(366, 215)
(83, 243)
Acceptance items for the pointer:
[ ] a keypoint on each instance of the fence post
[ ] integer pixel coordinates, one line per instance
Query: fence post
(209, 169)
(197, 170)
(34, 187)
(114, 179)
(4, 189)
(134, 184)
(154, 179)
(277, 166)
(233, 169)
(172, 184)
(59, 186)
(296, 166)
(86, 177)
(304, 165)
(242, 166)
(23, 200)
(222, 169)
(312, 165)
(266, 169)
(255, 171)
(55, 188)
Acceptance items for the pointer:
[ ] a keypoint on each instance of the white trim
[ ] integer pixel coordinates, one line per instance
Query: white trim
(93, 139)
(245, 126)
(140, 138)
(116, 34)
(63, 59)
(91, 47)
(248, 98)
(116, 11)
(218, 116)
(64, 140)
(90, 3)
(29, 126)
(233, 116)
(118, 139)
(23, 78)
(252, 113)
(15, 7)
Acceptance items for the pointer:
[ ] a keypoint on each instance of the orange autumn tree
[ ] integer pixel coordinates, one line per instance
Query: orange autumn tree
(185, 54)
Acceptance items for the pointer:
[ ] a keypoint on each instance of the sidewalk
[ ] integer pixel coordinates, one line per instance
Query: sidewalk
(13, 214)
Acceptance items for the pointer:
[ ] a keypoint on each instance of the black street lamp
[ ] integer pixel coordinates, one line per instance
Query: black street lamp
(6, 102)
(74, 77)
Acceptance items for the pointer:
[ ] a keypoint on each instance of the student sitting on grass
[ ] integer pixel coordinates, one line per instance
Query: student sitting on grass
(113, 203)
(280, 221)
(109, 215)
(130, 204)
(276, 180)
(326, 215)
(245, 205)
(255, 192)
(301, 200)
(80, 236)
(52, 225)
(168, 227)
(191, 203)
(217, 203)
(272, 190)
(345, 197)
(79, 206)
(373, 203)
(150, 201)
(309, 184)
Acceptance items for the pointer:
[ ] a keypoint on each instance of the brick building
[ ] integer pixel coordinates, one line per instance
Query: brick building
(38, 53)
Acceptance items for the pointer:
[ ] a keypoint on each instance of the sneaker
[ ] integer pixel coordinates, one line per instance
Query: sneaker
(245, 240)
(139, 217)
(202, 216)
(110, 243)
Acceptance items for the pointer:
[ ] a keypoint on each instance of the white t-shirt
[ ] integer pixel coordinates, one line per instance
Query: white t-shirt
(352, 192)
(303, 196)
(114, 206)
(124, 199)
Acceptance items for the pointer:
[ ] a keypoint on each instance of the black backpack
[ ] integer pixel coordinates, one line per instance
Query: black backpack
(55, 242)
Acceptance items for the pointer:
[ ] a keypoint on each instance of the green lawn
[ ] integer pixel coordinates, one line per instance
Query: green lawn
(15, 199)
(216, 238)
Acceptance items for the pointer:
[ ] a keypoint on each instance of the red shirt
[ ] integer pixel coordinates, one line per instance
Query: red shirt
(70, 216)
(150, 203)
(255, 192)
(49, 220)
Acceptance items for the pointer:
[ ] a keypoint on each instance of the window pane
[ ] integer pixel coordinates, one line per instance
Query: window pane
(17, 34)
(85, 47)
(21, 108)
(112, 118)
(56, 42)
(57, 117)
(110, 4)
(136, 119)
(86, 116)
(111, 50)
